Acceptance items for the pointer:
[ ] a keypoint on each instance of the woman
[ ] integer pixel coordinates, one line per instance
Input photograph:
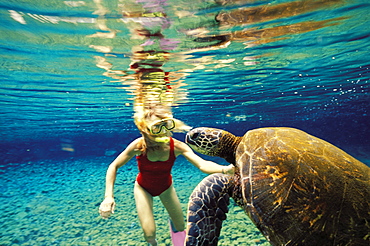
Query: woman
(155, 152)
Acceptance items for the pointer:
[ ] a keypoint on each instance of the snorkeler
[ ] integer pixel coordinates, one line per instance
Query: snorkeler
(156, 152)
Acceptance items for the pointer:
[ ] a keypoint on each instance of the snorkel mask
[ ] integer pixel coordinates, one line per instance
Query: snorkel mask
(157, 126)
(160, 126)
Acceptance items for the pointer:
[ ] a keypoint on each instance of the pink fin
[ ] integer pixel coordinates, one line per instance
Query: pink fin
(178, 238)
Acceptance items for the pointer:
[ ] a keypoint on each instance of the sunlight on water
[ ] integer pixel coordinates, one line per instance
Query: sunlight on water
(268, 50)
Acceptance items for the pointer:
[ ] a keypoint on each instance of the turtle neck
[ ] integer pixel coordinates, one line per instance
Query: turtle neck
(229, 144)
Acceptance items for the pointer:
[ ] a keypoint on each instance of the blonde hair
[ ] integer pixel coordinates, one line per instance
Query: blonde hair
(143, 117)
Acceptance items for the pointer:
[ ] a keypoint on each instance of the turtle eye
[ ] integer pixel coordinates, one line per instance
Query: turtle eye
(195, 136)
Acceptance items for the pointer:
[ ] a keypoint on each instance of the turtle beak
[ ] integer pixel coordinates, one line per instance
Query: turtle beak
(192, 137)
(188, 139)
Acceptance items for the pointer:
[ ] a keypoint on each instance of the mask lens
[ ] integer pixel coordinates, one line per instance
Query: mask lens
(170, 124)
(156, 128)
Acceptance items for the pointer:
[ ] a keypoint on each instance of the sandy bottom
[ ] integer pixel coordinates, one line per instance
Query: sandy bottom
(56, 203)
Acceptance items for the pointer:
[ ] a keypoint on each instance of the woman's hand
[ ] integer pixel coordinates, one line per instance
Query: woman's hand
(230, 169)
(107, 207)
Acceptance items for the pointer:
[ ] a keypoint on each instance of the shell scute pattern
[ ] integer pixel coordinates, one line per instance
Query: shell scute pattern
(285, 179)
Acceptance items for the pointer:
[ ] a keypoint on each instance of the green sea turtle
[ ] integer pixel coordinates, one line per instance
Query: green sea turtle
(297, 189)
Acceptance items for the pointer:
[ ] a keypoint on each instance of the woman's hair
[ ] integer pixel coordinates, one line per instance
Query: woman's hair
(143, 117)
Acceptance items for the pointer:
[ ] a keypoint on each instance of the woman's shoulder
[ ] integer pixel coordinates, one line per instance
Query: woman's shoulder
(135, 141)
(134, 146)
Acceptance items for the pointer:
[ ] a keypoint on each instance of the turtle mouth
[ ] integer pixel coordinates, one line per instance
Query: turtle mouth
(191, 138)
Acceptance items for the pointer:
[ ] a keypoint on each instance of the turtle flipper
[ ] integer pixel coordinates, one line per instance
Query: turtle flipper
(207, 210)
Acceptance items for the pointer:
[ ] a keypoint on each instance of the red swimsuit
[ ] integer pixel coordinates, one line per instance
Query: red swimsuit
(155, 176)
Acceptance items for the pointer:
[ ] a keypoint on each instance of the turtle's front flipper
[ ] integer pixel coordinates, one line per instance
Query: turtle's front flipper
(207, 209)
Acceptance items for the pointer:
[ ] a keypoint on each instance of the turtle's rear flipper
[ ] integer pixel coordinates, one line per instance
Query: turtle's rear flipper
(207, 209)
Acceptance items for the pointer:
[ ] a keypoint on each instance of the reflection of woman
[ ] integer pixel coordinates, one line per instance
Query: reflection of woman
(155, 152)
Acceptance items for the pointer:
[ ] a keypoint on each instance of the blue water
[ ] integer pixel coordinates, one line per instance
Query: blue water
(67, 94)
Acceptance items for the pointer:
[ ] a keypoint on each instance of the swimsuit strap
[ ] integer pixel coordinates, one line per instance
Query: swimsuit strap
(172, 149)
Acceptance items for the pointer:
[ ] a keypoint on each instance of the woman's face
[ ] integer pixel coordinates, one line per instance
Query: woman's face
(160, 127)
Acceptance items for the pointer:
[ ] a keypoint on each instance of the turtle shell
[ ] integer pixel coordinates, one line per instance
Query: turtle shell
(301, 190)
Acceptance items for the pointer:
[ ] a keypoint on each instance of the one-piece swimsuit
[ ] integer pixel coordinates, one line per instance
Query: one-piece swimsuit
(155, 176)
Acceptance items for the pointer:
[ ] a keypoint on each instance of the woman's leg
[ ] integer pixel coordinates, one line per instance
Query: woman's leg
(144, 206)
(172, 204)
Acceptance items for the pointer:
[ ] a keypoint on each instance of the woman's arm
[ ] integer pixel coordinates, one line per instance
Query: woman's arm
(108, 205)
(203, 165)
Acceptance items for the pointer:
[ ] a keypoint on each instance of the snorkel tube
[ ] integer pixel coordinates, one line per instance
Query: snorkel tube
(162, 139)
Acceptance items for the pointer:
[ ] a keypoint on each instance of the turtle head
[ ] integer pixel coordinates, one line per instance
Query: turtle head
(212, 142)
(204, 140)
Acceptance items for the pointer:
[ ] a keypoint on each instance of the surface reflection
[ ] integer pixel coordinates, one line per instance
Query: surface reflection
(270, 12)
(260, 24)
(148, 78)
(149, 47)
(145, 78)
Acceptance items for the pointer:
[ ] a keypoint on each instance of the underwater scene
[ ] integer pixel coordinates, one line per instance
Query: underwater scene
(74, 73)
